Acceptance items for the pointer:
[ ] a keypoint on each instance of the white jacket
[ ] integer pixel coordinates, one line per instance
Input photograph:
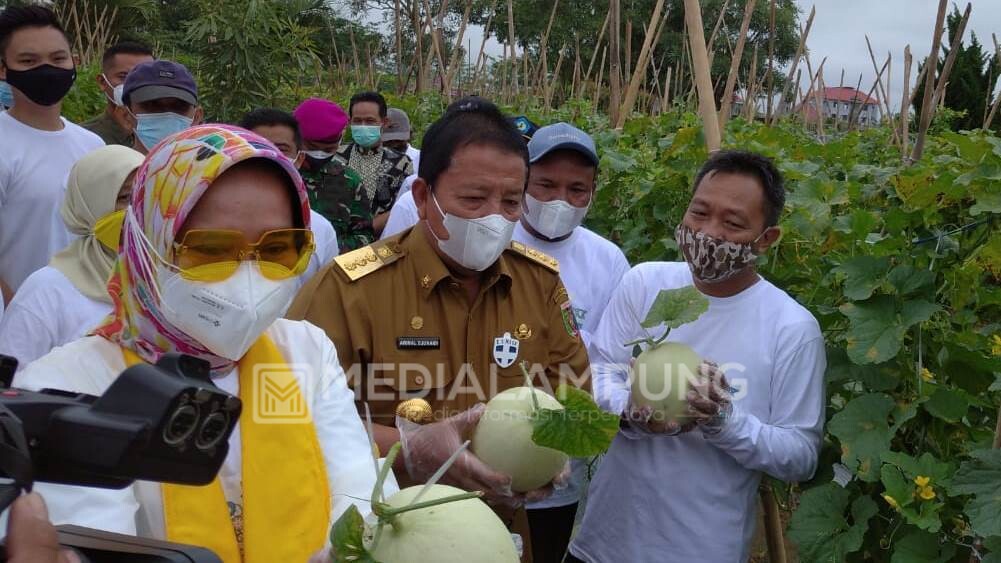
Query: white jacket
(90, 364)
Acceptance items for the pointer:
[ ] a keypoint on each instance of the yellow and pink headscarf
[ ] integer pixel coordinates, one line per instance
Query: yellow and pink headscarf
(168, 185)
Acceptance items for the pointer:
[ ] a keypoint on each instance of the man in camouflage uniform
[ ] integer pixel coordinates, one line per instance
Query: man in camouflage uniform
(333, 188)
(382, 169)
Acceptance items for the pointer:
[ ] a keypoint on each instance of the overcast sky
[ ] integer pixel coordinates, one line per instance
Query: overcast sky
(839, 31)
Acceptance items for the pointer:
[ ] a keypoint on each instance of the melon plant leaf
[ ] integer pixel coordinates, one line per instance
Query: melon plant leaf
(346, 538)
(862, 428)
(908, 279)
(878, 326)
(919, 512)
(675, 307)
(947, 404)
(863, 274)
(580, 429)
(820, 527)
(981, 478)
(922, 547)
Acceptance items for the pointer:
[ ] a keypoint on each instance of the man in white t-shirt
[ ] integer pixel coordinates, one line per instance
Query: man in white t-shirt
(678, 494)
(561, 186)
(37, 146)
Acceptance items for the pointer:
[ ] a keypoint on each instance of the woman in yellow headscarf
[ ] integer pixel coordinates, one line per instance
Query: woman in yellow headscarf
(69, 297)
(212, 244)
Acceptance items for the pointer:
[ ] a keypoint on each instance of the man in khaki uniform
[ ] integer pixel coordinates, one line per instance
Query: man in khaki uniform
(448, 310)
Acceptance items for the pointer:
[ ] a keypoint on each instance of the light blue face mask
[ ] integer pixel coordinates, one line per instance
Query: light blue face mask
(151, 128)
(6, 95)
(366, 135)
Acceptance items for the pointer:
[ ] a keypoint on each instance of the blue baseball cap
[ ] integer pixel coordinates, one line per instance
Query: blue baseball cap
(154, 80)
(561, 136)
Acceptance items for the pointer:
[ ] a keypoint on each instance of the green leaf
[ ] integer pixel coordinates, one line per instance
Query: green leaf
(926, 466)
(996, 386)
(922, 547)
(948, 404)
(907, 279)
(987, 202)
(862, 428)
(820, 527)
(580, 429)
(863, 274)
(917, 511)
(675, 307)
(981, 478)
(878, 326)
(346, 538)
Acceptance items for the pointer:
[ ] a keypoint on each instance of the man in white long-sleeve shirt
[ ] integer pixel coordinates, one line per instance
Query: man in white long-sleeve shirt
(669, 494)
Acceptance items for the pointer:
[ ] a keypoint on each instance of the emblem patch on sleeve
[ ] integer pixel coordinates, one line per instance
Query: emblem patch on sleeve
(569, 320)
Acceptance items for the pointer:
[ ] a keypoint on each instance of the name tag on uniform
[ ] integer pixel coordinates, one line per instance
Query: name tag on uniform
(418, 343)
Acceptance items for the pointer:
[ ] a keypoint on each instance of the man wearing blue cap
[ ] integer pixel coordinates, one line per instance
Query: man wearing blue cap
(163, 97)
(561, 186)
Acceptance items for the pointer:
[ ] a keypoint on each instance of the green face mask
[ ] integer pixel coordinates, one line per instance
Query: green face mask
(366, 135)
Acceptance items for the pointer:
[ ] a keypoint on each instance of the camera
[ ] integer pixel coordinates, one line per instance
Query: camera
(166, 422)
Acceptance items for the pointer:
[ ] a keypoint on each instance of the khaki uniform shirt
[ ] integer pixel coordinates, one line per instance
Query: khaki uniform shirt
(404, 328)
(108, 130)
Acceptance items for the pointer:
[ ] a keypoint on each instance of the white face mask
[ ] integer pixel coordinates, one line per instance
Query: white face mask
(319, 155)
(553, 219)
(117, 92)
(226, 317)
(474, 243)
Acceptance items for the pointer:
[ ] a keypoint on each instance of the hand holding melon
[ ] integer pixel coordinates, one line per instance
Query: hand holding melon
(670, 384)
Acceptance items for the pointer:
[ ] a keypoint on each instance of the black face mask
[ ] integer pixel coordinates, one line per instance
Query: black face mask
(45, 85)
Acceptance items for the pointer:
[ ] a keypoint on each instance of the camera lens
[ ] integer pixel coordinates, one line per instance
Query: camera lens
(212, 430)
(180, 425)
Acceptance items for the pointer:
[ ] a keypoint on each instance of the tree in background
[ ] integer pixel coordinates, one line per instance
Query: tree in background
(973, 78)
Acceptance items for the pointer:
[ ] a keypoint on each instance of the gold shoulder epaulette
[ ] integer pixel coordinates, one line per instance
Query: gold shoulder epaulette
(536, 256)
(363, 261)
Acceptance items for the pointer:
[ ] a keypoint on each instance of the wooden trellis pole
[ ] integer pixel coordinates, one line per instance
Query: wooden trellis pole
(905, 110)
(700, 57)
(640, 70)
(795, 62)
(928, 103)
(771, 63)
(731, 79)
(614, 100)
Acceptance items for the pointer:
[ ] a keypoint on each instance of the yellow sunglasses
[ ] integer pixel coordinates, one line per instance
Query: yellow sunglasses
(214, 254)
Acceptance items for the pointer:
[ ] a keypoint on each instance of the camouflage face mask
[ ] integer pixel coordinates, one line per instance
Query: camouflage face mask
(711, 259)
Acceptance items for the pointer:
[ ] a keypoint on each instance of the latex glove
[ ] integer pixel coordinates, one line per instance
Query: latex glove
(709, 400)
(558, 483)
(427, 447)
(31, 538)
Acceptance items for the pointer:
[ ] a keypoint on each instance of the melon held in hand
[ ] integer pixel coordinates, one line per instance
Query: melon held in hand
(661, 378)
(503, 439)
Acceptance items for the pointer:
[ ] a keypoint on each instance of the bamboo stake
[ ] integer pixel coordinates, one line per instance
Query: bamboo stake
(989, 116)
(731, 79)
(920, 79)
(483, 44)
(399, 47)
(544, 46)
(881, 90)
(872, 90)
(629, 48)
(928, 103)
(415, 61)
(640, 71)
(905, 110)
(773, 525)
(511, 41)
(852, 118)
(710, 45)
(453, 61)
(372, 79)
(666, 99)
(354, 50)
(614, 100)
(750, 95)
(707, 103)
(771, 63)
(601, 78)
(795, 61)
(577, 65)
(556, 76)
(957, 42)
(594, 55)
